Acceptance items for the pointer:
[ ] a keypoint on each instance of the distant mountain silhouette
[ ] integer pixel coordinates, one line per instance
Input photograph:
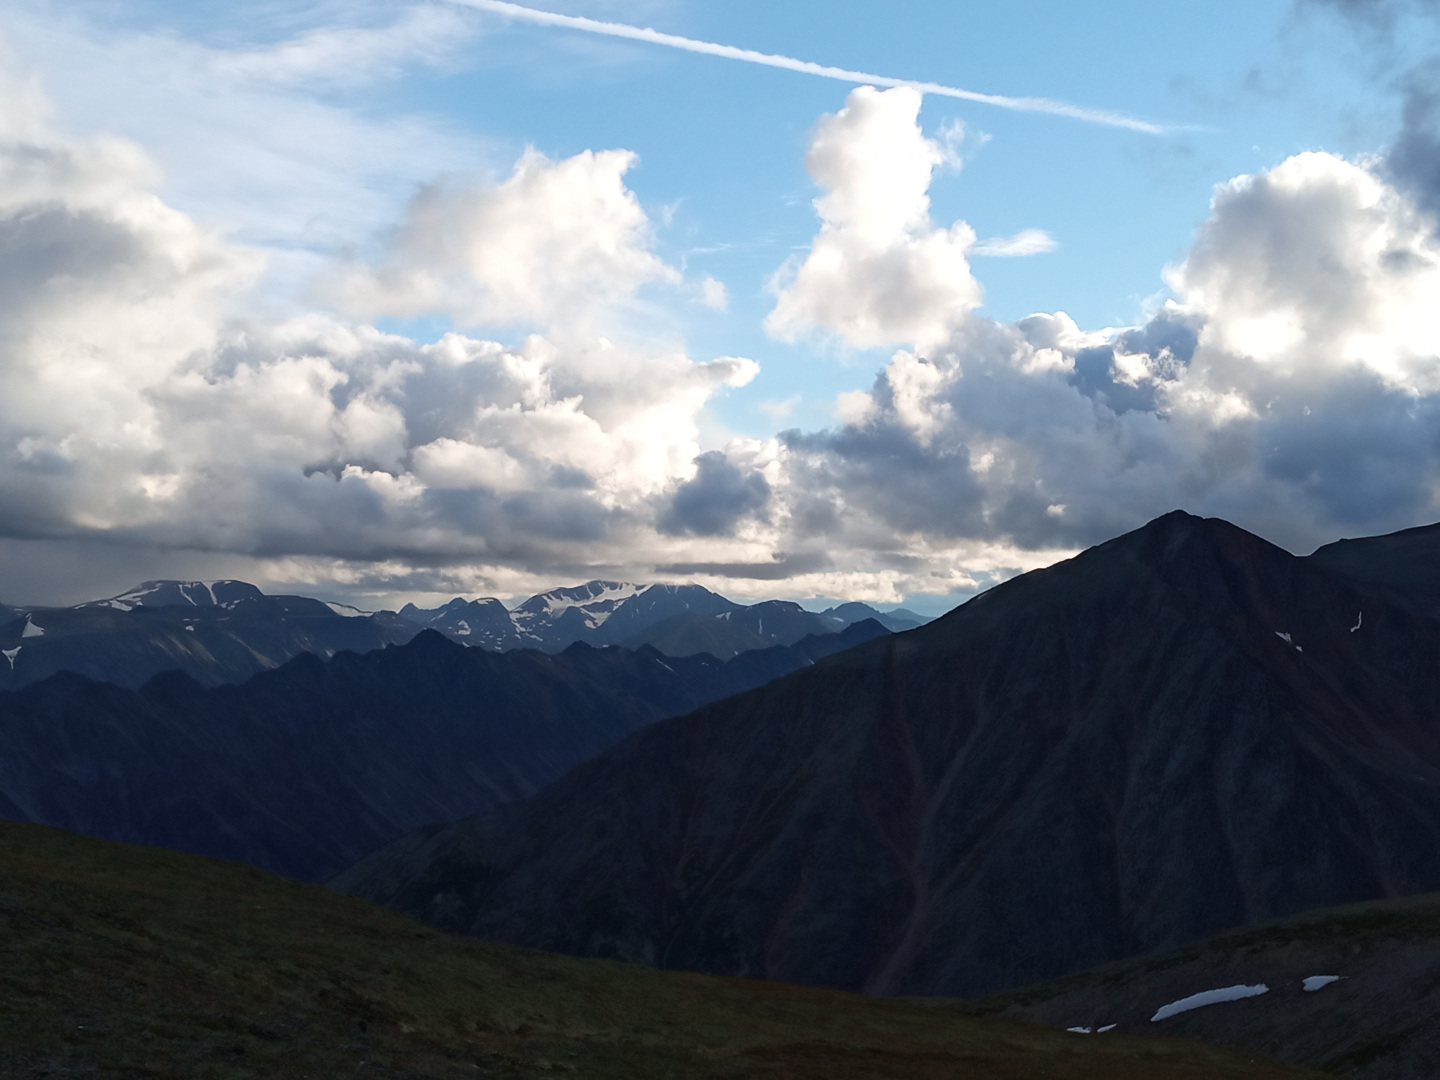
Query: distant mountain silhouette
(217, 632)
(728, 633)
(895, 621)
(305, 768)
(225, 631)
(1179, 731)
(678, 620)
(484, 624)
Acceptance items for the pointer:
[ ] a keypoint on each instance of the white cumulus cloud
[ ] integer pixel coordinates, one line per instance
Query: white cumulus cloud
(553, 242)
(1025, 242)
(143, 402)
(880, 272)
(1290, 386)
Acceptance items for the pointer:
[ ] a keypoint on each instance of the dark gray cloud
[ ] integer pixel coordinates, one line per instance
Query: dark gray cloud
(716, 500)
(1361, 451)
(1168, 341)
(781, 568)
(1414, 158)
(1381, 14)
(882, 470)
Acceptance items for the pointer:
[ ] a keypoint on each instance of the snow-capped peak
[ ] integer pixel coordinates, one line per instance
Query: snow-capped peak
(598, 599)
(221, 592)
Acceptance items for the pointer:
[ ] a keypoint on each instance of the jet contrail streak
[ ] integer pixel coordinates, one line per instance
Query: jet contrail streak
(749, 56)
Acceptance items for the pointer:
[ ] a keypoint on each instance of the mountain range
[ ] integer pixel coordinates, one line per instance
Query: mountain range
(1179, 731)
(226, 631)
(305, 768)
(679, 620)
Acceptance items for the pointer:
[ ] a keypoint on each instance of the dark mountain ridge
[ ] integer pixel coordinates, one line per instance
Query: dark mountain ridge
(1403, 566)
(226, 631)
(307, 767)
(733, 631)
(1180, 731)
(181, 626)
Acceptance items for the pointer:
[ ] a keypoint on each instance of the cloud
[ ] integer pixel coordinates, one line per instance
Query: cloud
(427, 33)
(282, 144)
(880, 271)
(784, 567)
(554, 242)
(716, 499)
(1377, 15)
(1315, 268)
(1413, 161)
(750, 56)
(1025, 242)
(778, 409)
(144, 401)
(148, 403)
(714, 295)
(1293, 386)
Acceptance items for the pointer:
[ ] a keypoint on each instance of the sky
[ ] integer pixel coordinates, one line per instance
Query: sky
(388, 301)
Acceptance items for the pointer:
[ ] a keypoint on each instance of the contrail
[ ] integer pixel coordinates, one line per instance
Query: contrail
(749, 56)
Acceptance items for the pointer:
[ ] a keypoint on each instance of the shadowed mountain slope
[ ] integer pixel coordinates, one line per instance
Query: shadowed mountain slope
(305, 768)
(1405, 565)
(894, 621)
(1350, 989)
(729, 633)
(1182, 730)
(124, 961)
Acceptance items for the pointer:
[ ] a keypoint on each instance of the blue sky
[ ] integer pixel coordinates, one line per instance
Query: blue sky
(299, 134)
(721, 144)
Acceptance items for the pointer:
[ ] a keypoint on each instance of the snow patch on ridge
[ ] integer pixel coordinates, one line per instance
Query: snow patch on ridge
(608, 591)
(31, 630)
(1209, 997)
(597, 599)
(1318, 982)
(11, 654)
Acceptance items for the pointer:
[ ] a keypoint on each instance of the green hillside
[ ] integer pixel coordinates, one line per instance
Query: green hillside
(123, 961)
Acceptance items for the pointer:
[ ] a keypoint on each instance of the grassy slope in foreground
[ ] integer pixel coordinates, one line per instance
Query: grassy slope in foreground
(125, 961)
(1379, 1021)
